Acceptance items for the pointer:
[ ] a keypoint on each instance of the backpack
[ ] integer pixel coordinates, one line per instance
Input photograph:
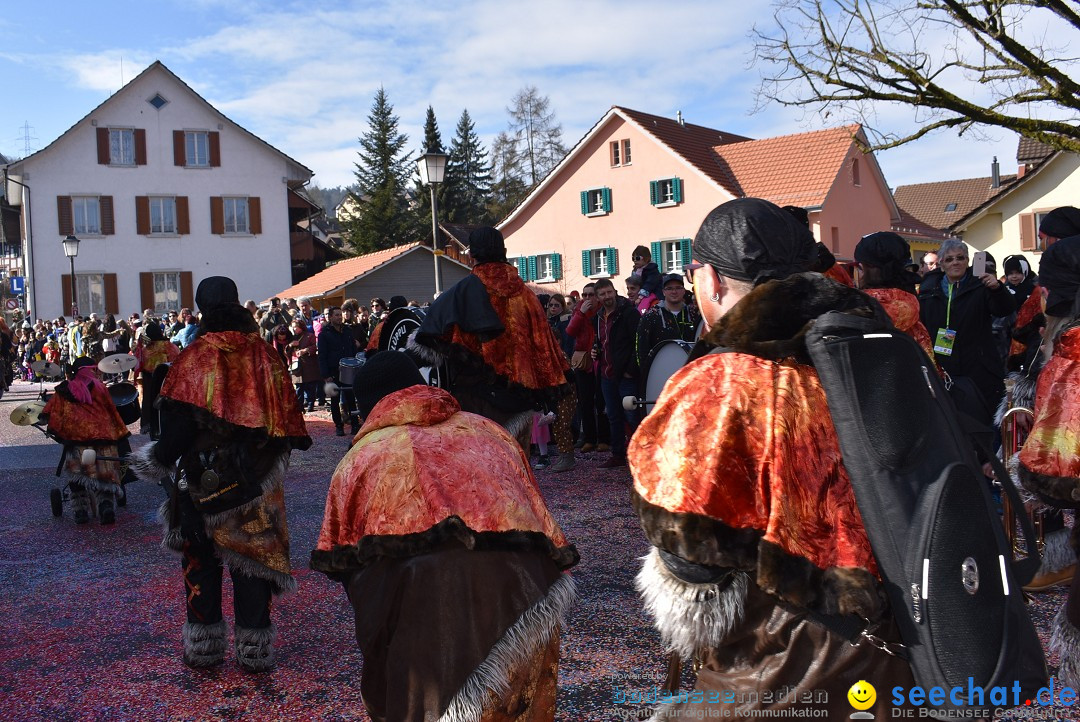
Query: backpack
(941, 549)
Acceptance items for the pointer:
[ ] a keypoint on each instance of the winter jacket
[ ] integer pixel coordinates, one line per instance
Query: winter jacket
(618, 346)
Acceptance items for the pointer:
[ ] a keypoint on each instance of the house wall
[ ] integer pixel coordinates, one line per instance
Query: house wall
(260, 264)
(411, 276)
(853, 210)
(1058, 184)
(553, 222)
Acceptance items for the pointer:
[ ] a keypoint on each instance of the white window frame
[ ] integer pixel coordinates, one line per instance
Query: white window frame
(162, 215)
(626, 152)
(545, 268)
(595, 254)
(166, 295)
(90, 293)
(665, 191)
(194, 156)
(1040, 245)
(230, 206)
(615, 151)
(122, 146)
(671, 256)
(596, 202)
(86, 215)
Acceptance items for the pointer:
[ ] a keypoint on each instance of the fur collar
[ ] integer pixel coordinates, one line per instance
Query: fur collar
(772, 320)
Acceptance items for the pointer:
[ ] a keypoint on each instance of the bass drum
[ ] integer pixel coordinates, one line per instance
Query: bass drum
(398, 326)
(126, 399)
(664, 360)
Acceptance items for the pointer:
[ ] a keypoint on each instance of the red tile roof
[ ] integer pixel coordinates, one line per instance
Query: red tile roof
(927, 202)
(1031, 151)
(344, 272)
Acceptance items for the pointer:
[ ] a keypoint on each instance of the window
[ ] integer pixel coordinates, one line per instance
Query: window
(90, 292)
(616, 156)
(1030, 238)
(597, 262)
(166, 291)
(86, 215)
(671, 256)
(855, 177)
(626, 152)
(232, 215)
(543, 267)
(121, 146)
(665, 192)
(157, 101)
(620, 152)
(950, 207)
(197, 149)
(596, 202)
(163, 215)
(236, 215)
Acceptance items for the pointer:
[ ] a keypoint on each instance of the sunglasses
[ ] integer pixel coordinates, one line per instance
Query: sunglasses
(688, 271)
(638, 258)
(950, 259)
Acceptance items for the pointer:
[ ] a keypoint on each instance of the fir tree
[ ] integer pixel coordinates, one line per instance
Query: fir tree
(468, 176)
(432, 143)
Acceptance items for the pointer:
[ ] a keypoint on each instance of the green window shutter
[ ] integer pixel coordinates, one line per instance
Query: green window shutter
(685, 251)
(531, 264)
(657, 250)
(523, 268)
(676, 189)
(584, 203)
(586, 264)
(654, 192)
(556, 266)
(613, 262)
(607, 200)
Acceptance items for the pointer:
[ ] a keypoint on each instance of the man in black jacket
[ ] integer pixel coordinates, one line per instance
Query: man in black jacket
(616, 333)
(335, 343)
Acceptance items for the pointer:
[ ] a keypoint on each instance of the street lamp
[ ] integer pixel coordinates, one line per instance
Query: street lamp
(71, 249)
(432, 167)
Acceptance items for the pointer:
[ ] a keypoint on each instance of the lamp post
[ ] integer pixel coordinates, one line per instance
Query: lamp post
(71, 249)
(432, 167)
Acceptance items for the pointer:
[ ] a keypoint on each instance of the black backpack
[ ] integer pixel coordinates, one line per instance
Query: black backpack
(940, 545)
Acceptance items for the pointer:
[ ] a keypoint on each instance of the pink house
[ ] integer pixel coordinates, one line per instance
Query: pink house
(641, 179)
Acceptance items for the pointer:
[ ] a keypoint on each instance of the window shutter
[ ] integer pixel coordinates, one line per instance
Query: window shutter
(102, 148)
(63, 215)
(217, 215)
(142, 215)
(140, 146)
(606, 196)
(685, 252)
(1028, 234)
(657, 250)
(613, 262)
(183, 222)
(530, 264)
(112, 302)
(108, 225)
(584, 203)
(215, 148)
(654, 192)
(146, 290)
(586, 263)
(65, 294)
(179, 152)
(676, 189)
(187, 296)
(556, 266)
(254, 215)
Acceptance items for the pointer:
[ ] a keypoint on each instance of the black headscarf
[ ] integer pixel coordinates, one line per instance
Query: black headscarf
(1061, 222)
(1019, 264)
(383, 374)
(1059, 273)
(216, 291)
(750, 239)
(891, 255)
(486, 245)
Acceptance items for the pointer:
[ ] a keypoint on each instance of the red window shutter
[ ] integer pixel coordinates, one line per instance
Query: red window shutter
(179, 153)
(65, 294)
(215, 148)
(254, 215)
(217, 215)
(108, 226)
(142, 215)
(103, 146)
(187, 295)
(63, 215)
(146, 290)
(140, 146)
(1028, 235)
(112, 302)
(183, 222)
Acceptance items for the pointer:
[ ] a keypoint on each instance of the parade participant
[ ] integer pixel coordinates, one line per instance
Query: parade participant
(82, 416)
(741, 491)
(229, 421)
(503, 355)
(151, 352)
(884, 257)
(335, 342)
(454, 567)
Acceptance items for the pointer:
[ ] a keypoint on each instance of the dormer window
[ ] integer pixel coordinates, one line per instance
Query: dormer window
(950, 207)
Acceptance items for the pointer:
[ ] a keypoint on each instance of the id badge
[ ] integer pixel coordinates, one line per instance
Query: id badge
(943, 344)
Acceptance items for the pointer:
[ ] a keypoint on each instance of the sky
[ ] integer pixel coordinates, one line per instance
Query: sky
(302, 75)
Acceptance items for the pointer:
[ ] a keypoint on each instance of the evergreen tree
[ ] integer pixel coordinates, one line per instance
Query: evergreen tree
(468, 176)
(508, 188)
(536, 133)
(385, 217)
(432, 142)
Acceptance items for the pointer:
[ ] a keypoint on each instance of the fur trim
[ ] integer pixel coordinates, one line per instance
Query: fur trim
(172, 540)
(255, 648)
(427, 354)
(274, 478)
(94, 485)
(146, 466)
(1065, 642)
(518, 423)
(689, 616)
(204, 644)
(516, 648)
(283, 583)
(1063, 491)
(1057, 552)
(1023, 391)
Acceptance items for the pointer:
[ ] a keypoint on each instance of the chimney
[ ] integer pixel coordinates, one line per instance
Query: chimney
(679, 118)
(995, 174)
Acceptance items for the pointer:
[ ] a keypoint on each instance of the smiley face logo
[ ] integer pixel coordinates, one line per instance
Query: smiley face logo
(862, 695)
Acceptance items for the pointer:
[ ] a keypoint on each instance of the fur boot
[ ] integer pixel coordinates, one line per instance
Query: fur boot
(80, 504)
(204, 644)
(255, 648)
(1065, 641)
(1057, 552)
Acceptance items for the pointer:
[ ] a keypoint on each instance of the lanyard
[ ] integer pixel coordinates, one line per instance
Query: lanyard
(948, 308)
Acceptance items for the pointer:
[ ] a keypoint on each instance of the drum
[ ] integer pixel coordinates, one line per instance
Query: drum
(347, 368)
(664, 360)
(437, 376)
(126, 399)
(398, 326)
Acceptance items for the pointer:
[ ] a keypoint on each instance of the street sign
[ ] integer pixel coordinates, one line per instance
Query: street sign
(17, 285)
(12, 304)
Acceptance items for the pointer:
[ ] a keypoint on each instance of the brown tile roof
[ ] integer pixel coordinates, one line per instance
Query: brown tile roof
(912, 228)
(1031, 151)
(796, 170)
(927, 202)
(344, 272)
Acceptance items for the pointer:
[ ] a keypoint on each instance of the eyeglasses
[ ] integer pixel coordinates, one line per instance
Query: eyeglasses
(587, 295)
(688, 271)
(951, 259)
(638, 258)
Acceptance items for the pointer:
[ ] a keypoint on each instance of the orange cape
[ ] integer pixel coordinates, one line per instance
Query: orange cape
(155, 353)
(903, 309)
(1052, 448)
(95, 422)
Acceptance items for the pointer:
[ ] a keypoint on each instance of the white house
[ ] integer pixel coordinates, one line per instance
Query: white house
(162, 190)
